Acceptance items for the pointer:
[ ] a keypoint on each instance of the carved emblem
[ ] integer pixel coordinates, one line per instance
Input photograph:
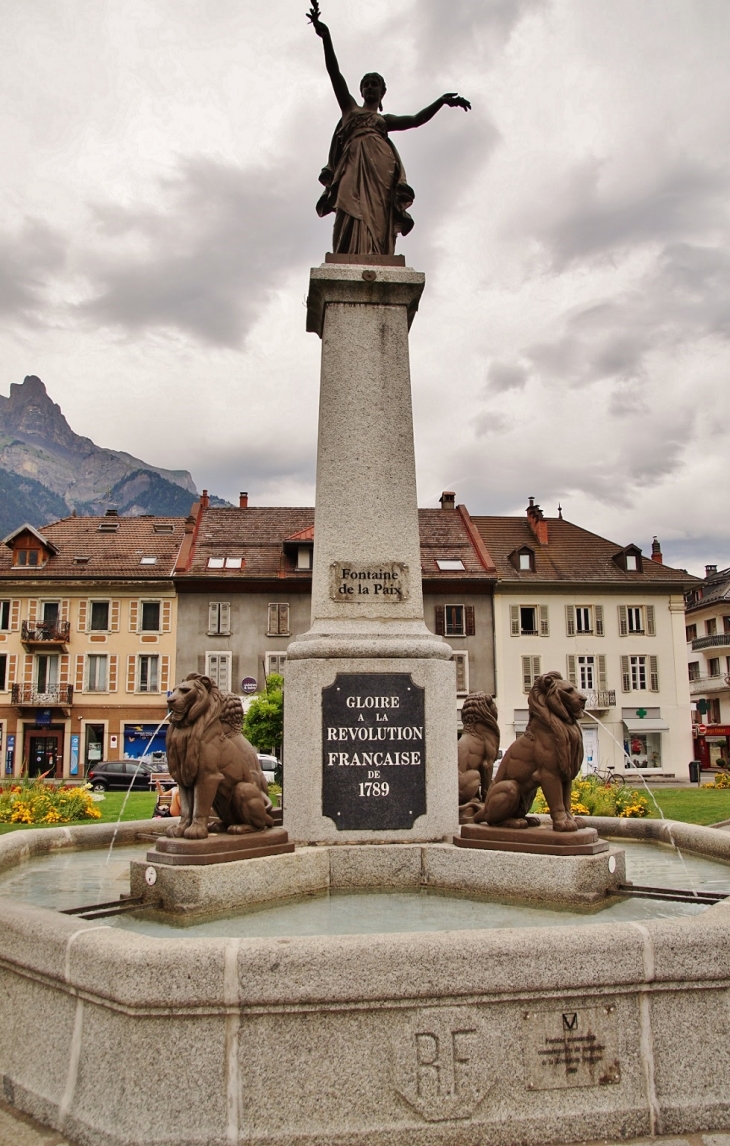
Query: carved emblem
(442, 1060)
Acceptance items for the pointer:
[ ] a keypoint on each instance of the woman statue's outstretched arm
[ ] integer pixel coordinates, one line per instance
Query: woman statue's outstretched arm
(404, 122)
(339, 83)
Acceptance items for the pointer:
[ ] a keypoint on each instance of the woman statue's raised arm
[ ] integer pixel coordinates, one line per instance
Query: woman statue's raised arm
(339, 83)
(404, 122)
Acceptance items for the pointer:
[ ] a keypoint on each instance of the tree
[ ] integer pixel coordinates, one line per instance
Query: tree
(263, 723)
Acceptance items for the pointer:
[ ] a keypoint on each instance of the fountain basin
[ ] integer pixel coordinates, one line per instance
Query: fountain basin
(509, 1035)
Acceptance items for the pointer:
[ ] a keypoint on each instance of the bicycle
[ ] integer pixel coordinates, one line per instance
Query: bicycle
(608, 776)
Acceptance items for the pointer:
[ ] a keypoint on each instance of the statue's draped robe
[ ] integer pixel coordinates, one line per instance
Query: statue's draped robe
(366, 187)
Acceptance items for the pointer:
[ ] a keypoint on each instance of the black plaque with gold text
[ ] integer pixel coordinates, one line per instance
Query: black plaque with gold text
(373, 751)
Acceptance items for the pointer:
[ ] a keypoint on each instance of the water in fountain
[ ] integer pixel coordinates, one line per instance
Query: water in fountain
(131, 783)
(626, 756)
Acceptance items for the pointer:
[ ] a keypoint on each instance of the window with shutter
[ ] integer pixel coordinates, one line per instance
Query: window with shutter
(224, 618)
(439, 620)
(514, 620)
(654, 674)
(599, 620)
(65, 608)
(133, 618)
(83, 608)
(278, 619)
(5, 616)
(623, 624)
(274, 663)
(218, 668)
(625, 675)
(79, 686)
(461, 660)
(3, 672)
(471, 627)
(14, 616)
(131, 669)
(113, 671)
(571, 669)
(28, 669)
(64, 669)
(650, 621)
(116, 608)
(12, 668)
(32, 611)
(530, 672)
(165, 674)
(213, 616)
(602, 680)
(166, 616)
(569, 621)
(544, 623)
(283, 618)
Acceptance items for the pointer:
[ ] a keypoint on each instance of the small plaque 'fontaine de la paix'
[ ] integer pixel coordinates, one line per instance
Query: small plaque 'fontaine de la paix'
(373, 751)
(350, 581)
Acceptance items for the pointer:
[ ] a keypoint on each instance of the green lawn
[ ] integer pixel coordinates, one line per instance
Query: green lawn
(693, 805)
(140, 806)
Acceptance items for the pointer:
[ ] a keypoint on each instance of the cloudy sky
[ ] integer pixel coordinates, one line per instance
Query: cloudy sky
(157, 224)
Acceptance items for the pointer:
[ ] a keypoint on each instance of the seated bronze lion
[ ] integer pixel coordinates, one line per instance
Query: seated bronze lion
(476, 752)
(216, 769)
(548, 756)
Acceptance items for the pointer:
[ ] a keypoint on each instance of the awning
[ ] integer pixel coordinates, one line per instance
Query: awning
(646, 725)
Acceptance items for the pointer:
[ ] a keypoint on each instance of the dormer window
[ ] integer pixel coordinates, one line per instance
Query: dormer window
(27, 557)
(30, 548)
(523, 559)
(629, 559)
(304, 557)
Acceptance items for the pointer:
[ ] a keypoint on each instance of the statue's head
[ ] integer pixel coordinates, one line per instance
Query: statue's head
(372, 86)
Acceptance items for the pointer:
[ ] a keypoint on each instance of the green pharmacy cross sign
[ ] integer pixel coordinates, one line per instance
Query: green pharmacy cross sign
(641, 713)
(703, 706)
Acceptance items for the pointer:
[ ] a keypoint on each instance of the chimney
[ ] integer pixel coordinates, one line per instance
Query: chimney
(243, 501)
(448, 499)
(204, 499)
(112, 513)
(656, 552)
(710, 569)
(538, 524)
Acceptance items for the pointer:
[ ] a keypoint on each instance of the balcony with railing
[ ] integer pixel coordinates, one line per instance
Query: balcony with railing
(716, 641)
(599, 700)
(53, 634)
(702, 684)
(51, 697)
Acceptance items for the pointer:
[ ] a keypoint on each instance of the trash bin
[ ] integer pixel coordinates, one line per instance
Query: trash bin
(694, 771)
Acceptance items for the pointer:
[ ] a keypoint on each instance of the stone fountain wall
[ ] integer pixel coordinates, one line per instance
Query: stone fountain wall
(533, 1036)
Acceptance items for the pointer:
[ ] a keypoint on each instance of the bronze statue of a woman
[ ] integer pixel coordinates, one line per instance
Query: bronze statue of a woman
(365, 182)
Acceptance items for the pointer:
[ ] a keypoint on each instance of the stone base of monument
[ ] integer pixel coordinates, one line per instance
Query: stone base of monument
(539, 841)
(224, 848)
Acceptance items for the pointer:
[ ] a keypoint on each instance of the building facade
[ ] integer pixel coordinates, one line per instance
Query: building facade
(707, 632)
(244, 580)
(87, 641)
(610, 620)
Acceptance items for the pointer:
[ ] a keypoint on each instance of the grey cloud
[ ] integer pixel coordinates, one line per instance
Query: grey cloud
(205, 261)
(584, 220)
(28, 261)
(261, 468)
(506, 376)
(449, 32)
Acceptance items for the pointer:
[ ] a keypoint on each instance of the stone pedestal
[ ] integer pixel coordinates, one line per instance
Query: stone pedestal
(370, 711)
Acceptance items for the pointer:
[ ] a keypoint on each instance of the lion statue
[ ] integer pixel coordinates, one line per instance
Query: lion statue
(216, 769)
(476, 753)
(548, 756)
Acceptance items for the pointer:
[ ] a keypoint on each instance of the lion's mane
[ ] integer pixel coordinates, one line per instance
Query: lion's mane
(547, 704)
(185, 733)
(479, 708)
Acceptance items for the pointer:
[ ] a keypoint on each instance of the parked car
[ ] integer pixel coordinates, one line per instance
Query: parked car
(119, 774)
(271, 768)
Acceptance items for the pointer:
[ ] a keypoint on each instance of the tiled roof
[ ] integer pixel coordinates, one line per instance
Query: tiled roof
(258, 536)
(715, 588)
(114, 554)
(572, 554)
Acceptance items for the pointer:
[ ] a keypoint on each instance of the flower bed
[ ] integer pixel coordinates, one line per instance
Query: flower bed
(592, 797)
(34, 802)
(722, 780)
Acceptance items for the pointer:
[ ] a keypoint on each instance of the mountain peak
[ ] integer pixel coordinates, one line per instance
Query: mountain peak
(30, 414)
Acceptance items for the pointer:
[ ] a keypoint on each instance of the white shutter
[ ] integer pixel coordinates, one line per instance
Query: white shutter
(535, 668)
(650, 621)
(544, 623)
(131, 671)
(225, 618)
(571, 669)
(284, 618)
(462, 672)
(623, 623)
(166, 616)
(601, 659)
(83, 610)
(213, 617)
(569, 621)
(133, 617)
(113, 670)
(599, 620)
(116, 607)
(654, 674)
(514, 620)
(272, 625)
(79, 672)
(526, 674)
(625, 675)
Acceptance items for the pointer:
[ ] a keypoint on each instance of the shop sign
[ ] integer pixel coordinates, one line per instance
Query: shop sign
(74, 766)
(713, 729)
(43, 716)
